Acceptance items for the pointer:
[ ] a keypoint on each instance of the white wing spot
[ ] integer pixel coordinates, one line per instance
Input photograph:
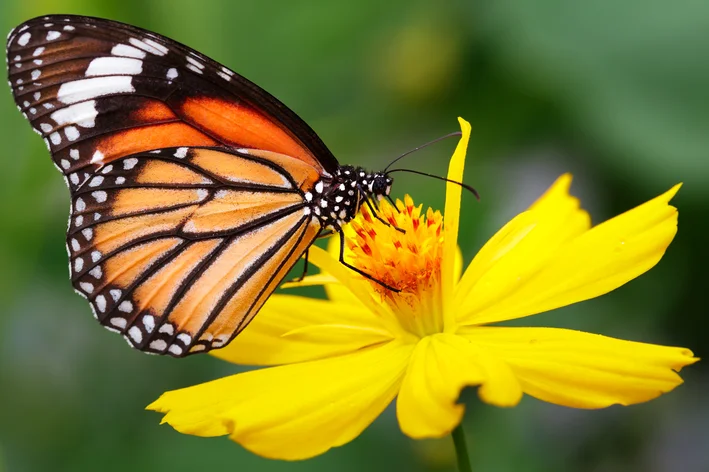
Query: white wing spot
(97, 157)
(95, 256)
(120, 180)
(36, 73)
(181, 152)
(79, 221)
(84, 89)
(185, 338)
(69, 28)
(65, 164)
(55, 138)
(135, 334)
(96, 181)
(128, 164)
(38, 51)
(175, 349)
(158, 345)
(75, 245)
(80, 204)
(115, 294)
(96, 272)
(119, 322)
(149, 323)
(82, 114)
(78, 264)
(107, 169)
(100, 196)
(167, 329)
(46, 127)
(171, 73)
(150, 46)
(74, 178)
(37, 96)
(125, 306)
(114, 66)
(74, 154)
(88, 233)
(52, 35)
(125, 50)
(72, 133)
(101, 303)
(86, 287)
(199, 71)
(38, 62)
(24, 39)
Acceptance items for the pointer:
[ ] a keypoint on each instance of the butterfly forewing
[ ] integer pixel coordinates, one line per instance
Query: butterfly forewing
(177, 254)
(188, 181)
(98, 90)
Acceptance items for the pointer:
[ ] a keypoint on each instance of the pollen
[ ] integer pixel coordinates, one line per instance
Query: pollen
(406, 254)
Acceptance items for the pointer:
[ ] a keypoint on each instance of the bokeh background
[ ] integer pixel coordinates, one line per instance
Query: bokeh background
(615, 91)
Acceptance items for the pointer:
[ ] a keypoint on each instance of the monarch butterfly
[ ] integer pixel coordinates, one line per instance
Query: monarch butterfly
(193, 191)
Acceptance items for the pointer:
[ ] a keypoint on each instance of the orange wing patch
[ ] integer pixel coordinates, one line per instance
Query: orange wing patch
(232, 209)
(154, 295)
(115, 234)
(147, 138)
(163, 172)
(240, 169)
(124, 268)
(231, 267)
(304, 175)
(242, 126)
(247, 301)
(134, 200)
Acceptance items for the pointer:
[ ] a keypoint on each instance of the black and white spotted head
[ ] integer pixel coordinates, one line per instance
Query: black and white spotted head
(336, 201)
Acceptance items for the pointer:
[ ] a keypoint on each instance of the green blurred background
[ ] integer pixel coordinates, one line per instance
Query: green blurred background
(616, 92)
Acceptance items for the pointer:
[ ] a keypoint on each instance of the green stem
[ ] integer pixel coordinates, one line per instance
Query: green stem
(461, 449)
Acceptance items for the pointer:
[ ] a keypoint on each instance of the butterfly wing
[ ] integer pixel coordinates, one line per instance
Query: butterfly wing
(187, 180)
(177, 252)
(98, 90)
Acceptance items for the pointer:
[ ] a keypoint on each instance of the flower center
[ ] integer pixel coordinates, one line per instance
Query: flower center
(409, 261)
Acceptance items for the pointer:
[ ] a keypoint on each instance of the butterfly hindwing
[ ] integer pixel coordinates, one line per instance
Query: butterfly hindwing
(177, 253)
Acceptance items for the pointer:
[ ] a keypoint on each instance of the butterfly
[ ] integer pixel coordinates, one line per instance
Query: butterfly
(193, 191)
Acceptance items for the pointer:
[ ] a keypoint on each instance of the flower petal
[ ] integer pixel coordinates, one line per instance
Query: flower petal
(584, 370)
(591, 264)
(451, 216)
(290, 329)
(520, 247)
(441, 366)
(295, 411)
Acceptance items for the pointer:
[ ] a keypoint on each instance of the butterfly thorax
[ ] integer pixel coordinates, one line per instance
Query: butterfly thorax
(337, 200)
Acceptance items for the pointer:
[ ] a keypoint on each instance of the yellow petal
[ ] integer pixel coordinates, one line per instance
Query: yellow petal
(584, 370)
(441, 366)
(295, 329)
(585, 266)
(520, 247)
(451, 216)
(295, 411)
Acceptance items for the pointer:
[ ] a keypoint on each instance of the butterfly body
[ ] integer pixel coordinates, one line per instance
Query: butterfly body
(336, 201)
(193, 191)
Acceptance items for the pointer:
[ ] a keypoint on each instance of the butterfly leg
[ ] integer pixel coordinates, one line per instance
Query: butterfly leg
(376, 213)
(305, 268)
(360, 272)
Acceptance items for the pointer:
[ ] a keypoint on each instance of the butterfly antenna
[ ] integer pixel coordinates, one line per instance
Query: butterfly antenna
(450, 135)
(433, 176)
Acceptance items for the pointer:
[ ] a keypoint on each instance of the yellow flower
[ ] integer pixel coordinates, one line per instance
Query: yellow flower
(340, 362)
